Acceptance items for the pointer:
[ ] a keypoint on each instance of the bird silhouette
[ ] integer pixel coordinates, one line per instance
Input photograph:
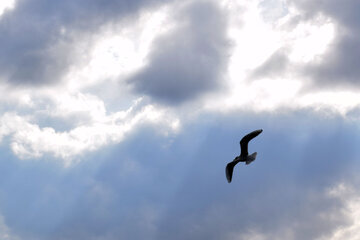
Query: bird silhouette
(244, 155)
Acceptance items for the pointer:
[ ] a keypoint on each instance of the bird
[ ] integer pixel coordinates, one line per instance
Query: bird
(244, 155)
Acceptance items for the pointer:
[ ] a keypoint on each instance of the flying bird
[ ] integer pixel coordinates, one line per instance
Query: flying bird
(244, 155)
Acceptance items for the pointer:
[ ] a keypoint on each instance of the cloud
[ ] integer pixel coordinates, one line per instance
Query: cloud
(29, 140)
(347, 229)
(156, 172)
(5, 232)
(275, 66)
(337, 67)
(320, 41)
(6, 5)
(284, 53)
(351, 198)
(299, 45)
(41, 40)
(188, 61)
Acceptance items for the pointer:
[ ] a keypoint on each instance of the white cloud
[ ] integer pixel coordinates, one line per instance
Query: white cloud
(6, 5)
(341, 102)
(309, 41)
(67, 105)
(258, 96)
(279, 94)
(28, 140)
(255, 40)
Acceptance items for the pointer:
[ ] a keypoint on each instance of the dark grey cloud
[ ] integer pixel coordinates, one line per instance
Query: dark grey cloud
(38, 38)
(339, 67)
(148, 188)
(189, 60)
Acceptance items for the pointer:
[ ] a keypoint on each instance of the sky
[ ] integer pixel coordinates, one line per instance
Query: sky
(118, 117)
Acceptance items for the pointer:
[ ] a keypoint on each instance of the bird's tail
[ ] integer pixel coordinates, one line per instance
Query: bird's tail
(251, 158)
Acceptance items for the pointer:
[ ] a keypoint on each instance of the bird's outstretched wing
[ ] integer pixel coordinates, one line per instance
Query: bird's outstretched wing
(246, 139)
(229, 170)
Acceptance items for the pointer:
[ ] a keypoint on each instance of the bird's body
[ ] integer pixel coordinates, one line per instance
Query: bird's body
(244, 155)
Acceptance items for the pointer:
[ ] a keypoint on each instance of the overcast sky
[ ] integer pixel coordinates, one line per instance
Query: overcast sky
(118, 117)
